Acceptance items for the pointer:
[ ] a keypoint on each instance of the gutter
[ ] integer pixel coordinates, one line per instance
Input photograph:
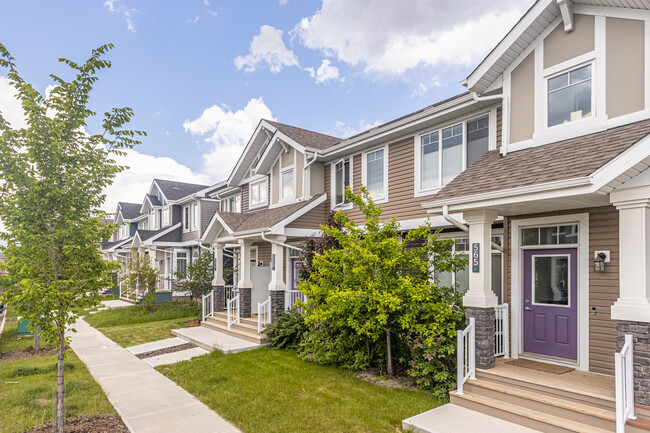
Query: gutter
(280, 243)
(463, 227)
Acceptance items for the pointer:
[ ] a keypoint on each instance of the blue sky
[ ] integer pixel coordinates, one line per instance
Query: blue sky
(200, 73)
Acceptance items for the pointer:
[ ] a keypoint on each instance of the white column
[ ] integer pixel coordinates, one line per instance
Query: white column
(480, 283)
(245, 266)
(218, 265)
(277, 265)
(633, 206)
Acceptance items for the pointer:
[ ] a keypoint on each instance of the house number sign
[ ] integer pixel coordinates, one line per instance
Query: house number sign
(476, 247)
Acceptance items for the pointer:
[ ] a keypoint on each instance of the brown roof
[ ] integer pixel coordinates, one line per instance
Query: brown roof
(241, 222)
(306, 137)
(568, 159)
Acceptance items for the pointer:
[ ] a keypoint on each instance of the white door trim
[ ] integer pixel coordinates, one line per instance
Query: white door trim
(516, 262)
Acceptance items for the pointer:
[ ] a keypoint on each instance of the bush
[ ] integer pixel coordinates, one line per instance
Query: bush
(326, 344)
(433, 363)
(287, 331)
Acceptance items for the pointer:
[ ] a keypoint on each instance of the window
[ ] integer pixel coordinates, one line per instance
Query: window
(181, 262)
(477, 139)
(429, 160)
(569, 96)
(452, 152)
(376, 174)
(341, 181)
(552, 235)
(152, 220)
(186, 218)
(287, 189)
(165, 216)
(253, 254)
(258, 194)
(233, 204)
(195, 216)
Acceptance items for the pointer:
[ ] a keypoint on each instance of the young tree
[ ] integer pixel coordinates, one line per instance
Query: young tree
(140, 277)
(197, 277)
(376, 283)
(54, 174)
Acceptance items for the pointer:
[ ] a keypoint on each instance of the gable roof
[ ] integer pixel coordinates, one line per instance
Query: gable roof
(154, 200)
(129, 210)
(173, 190)
(561, 161)
(305, 137)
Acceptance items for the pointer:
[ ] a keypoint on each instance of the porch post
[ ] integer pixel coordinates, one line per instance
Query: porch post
(245, 284)
(218, 283)
(632, 309)
(479, 301)
(277, 286)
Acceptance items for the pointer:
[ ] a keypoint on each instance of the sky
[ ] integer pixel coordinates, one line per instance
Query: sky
(200, 74)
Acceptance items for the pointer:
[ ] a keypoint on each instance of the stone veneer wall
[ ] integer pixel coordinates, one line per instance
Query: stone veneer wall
(641, 333)
(485, 334)
(245, 302)
(277, 303)
(219, 297)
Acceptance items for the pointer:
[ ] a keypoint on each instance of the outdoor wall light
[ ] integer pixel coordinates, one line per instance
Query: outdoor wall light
(599, 262)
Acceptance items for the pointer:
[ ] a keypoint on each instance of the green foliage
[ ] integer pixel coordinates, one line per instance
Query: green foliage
(433, 364)
(197, 278)
(375, 283)
(140, 276)
(54, 174)
(328, 344)
(287, 331)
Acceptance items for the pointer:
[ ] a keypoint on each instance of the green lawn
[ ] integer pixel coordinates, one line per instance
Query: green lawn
(10, 341)
(268, 390)
(27, 386)
(131, 335)
(135, 315)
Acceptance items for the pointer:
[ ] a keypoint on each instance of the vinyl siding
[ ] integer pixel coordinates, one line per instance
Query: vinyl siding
(208, 208)
(263, 252)
(499, 125)
(312, 219)
(245, 194)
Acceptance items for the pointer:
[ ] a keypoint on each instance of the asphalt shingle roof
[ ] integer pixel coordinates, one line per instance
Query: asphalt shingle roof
(130, 210)
(567, 159)
(154, 200)
(306, 137)
(177, 190)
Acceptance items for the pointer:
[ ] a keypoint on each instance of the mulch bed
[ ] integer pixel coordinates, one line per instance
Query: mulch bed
(98, 424)
(28, 353)
(379, 377)
(166, 350)
(192, 323)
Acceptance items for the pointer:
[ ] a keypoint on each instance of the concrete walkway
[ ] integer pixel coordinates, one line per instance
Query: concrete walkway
(146, 400)
(210, 339)
(166, 358)
(117, 303)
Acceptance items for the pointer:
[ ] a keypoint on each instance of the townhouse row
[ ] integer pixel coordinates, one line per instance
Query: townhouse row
(540, 172)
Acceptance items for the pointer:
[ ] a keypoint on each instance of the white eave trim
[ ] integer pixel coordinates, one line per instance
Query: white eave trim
(216, 218)
(163, 233)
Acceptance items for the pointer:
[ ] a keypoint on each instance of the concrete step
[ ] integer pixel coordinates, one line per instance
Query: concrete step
(524, 416)
(235, 331)
(244, 324)
(566, 408)
(211, 339)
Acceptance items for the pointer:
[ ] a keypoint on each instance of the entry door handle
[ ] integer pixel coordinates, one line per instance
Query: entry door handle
(528, 309)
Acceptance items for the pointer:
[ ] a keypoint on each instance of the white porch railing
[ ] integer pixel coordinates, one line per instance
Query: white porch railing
(207, 306)
(624, 371)
(164, 282)
(263, 315)
(466, 355)
(501, 327)
(291, 298)
(229, 292)
(232, 306)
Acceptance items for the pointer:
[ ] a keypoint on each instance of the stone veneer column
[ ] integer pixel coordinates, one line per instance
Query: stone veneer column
(485, 333)
(219, 297)
(218, 283)
(277, 286)
(277, 303)
(245, 302)
(641, 333)
(245, 285)
(479, 301)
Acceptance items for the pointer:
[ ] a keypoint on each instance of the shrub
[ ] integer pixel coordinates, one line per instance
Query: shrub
(287, 331)
(327, 344)
(433, 363)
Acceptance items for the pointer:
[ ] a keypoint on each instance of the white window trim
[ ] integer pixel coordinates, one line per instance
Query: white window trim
(344, 206)
(186, 219)
(419, 192)
(364, 172)
(250, 194)
(292, 197)
(575, 64)
(195, 215)
(175, 259)
(166, 216)
(257, 254)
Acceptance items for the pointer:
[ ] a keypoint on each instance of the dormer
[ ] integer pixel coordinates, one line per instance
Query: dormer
(568, 69)
(279, 166)
(125, 218)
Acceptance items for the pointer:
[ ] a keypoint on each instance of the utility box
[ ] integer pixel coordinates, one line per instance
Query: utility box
(23, 328)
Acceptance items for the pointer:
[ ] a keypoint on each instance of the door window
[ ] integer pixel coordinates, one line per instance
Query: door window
(551, 280)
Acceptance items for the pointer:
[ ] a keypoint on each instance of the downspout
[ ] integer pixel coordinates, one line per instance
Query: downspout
(463, 227)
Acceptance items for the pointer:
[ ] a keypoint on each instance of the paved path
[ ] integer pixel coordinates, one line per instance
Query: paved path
(166, 358)
(146, 400)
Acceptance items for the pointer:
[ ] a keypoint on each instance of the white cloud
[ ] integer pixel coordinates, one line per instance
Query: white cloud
(268, 48)
(283, 2)
(10, 107)
(192, 20)
(110, 4)
(344, 131)
(395, 36)
(118, 8)
(228, 132)
(325, 72)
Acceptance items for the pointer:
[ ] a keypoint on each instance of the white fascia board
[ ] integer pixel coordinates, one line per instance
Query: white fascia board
(204, 192)
(279, 226)
(262, 124)
(366, 139)
(118, 245)
(216, 219)
(138, 218)
(159, 189)
(278, 136)
(175, 244)
(621, 163)
(503, 46)
(163, 233)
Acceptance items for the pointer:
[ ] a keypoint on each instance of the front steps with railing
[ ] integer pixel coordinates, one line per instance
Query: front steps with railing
(246, 328)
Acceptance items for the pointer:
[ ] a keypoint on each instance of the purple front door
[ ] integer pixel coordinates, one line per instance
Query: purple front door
(550, 302)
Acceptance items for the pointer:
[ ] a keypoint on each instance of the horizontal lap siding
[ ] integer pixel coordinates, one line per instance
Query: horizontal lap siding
(312, 219)
(603, 286)
(208, 208)
(401, 184)
(263, 252)
(499, 126)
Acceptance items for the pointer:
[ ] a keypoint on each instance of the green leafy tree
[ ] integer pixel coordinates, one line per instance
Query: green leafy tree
(140, 277)
(197, 277)
(53, 177)
(377, 283)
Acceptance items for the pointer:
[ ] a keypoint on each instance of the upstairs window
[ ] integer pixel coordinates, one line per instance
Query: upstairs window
(287, 189)
(477, 139)
(233, 204)
(341, 181)
(195, 216)
(452, 152)
(569, 96)
(375, 173)
(166, 216)
(258, 193)
(186, 218)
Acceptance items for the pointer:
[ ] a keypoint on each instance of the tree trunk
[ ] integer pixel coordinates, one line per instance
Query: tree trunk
(37, 339)
(60, 421)
(389, 354)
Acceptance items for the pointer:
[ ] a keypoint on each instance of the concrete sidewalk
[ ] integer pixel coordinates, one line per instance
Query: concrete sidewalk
(146, 400)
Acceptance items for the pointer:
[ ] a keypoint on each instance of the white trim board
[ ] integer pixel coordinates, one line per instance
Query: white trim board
(516, 289)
